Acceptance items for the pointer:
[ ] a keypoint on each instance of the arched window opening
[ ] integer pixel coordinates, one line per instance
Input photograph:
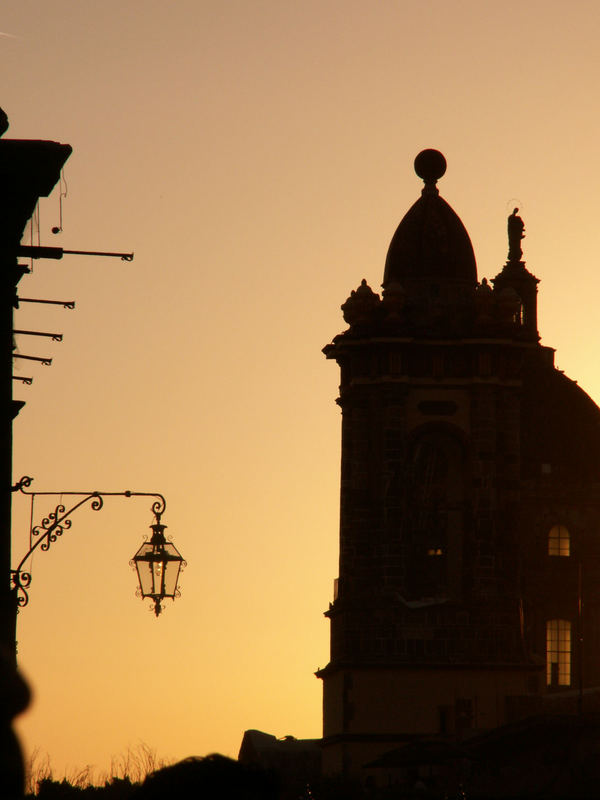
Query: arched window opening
(558, 652)
(519, 315)
(433, 521)
(559, 541)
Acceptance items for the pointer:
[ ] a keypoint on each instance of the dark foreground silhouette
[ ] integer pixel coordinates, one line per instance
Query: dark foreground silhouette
(14, 698)
(212, 776)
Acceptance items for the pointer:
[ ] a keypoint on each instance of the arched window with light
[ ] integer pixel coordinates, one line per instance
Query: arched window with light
(559, 541)
(558, 652)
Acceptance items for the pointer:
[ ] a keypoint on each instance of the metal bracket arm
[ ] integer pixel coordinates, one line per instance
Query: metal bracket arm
(56, 337)
(28, 251)
(70, 304)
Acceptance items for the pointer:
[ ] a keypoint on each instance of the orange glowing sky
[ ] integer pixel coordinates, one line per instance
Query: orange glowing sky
(257, 157)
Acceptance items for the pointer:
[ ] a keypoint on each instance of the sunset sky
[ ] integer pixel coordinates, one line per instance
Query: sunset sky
(257, 157)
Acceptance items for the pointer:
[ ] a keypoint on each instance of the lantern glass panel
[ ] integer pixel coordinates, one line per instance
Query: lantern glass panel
(143, 566)
(172, 567)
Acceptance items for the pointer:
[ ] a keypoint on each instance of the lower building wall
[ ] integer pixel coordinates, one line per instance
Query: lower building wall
(367, 712)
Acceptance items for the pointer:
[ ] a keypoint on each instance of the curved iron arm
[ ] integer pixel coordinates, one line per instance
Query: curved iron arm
(53, 526)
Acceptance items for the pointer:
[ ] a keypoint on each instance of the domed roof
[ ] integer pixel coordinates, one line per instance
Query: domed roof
(431, 242)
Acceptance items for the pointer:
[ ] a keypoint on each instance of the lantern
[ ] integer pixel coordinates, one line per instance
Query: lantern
(158, 564)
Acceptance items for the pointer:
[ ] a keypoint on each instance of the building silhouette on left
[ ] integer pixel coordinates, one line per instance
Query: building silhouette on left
(29, 169)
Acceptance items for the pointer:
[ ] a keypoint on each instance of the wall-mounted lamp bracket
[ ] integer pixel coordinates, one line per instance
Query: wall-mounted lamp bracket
(56, 337)
(70, 304)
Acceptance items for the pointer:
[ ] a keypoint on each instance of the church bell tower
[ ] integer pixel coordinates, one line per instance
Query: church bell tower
(433, 631)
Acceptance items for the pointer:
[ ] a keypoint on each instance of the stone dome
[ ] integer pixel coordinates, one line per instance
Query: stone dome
(431, 243)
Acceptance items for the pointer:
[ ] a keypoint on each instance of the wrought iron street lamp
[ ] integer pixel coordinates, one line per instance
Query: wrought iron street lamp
(158, 562)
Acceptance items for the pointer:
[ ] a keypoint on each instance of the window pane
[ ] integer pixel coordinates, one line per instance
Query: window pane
(558, 652)
(559, 541)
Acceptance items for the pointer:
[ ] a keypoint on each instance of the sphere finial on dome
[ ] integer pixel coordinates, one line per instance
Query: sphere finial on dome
(430, 165)
(430, 243)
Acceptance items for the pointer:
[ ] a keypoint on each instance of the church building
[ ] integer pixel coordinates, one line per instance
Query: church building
(468, 594)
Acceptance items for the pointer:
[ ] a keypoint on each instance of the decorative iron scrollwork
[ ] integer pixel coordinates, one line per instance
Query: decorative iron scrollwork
(19, 582)
(23, 483)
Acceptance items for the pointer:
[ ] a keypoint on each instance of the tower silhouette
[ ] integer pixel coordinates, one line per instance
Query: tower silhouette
(470, 502)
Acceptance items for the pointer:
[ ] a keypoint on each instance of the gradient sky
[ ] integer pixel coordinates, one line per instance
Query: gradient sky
(257, 157)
